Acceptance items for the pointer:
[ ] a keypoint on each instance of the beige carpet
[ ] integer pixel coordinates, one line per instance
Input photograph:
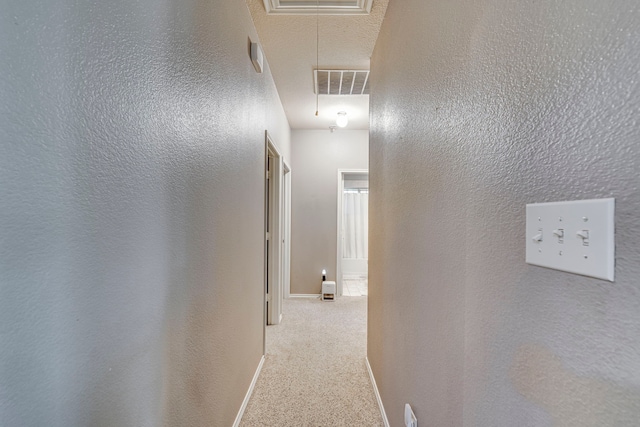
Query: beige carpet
(315, 373)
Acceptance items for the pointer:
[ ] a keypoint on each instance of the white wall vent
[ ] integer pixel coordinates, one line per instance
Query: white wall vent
(257, 57)
(341, 82)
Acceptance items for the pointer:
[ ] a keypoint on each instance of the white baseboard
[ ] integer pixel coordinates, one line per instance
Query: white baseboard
(236, 423)
(304, 296)
(385, 420)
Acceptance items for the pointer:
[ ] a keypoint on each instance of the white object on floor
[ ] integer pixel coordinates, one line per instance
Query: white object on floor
(328, 290)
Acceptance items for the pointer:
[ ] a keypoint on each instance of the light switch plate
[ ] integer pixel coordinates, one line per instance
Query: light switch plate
(576, 237)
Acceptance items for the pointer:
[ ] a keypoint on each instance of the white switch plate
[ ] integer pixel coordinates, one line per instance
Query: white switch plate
(566, 250)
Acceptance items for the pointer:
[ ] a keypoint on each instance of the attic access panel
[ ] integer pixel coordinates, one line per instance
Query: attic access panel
(323, 7)
(341, 82)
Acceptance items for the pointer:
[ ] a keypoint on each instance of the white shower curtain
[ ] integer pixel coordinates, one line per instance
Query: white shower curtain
(355, 224)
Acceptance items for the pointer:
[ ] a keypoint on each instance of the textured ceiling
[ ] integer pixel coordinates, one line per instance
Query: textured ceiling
(289, 44)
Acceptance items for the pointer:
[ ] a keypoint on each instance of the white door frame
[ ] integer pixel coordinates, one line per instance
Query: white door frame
(286, 240)
(341, 174)
(274, 235)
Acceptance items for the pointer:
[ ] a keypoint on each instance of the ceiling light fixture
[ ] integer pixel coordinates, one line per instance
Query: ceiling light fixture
(342, 119)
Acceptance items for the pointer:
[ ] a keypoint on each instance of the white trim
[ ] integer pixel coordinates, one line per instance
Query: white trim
(236, 423)
(304, 296)
(275, 234)
(385, 420)
(286, 193)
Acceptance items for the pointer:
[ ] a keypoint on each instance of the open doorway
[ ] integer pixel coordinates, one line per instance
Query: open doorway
(353, 232)
(277, 226)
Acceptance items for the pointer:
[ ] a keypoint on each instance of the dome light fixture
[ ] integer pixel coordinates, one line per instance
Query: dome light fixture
(342, 119)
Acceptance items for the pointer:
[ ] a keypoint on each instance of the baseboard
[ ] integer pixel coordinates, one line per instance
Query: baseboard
(385, 420)
(304, 296)
(236, 423)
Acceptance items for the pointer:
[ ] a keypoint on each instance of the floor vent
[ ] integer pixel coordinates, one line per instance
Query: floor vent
(342, 82)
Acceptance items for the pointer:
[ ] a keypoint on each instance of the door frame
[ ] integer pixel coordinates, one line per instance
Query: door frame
(286, 228)
(341, 174)
(273, 233)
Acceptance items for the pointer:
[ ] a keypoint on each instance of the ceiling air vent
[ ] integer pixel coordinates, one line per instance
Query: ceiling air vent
(323, 7)
(342, 82)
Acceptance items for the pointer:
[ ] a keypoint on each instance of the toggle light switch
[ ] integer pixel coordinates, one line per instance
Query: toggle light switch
(538, 237)
(559, 233)
(582, 240)
(584, 235)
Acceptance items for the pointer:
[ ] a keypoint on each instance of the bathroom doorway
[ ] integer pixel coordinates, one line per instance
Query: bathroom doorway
(353, 232)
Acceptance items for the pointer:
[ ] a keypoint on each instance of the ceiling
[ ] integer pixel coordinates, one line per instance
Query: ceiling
(345, 40)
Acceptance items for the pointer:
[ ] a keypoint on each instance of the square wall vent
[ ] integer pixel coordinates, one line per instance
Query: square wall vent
(323, 7)
(341, 82)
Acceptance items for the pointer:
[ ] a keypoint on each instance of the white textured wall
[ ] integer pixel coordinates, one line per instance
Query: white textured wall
(131, 213)
(479, 107)
(317, 156)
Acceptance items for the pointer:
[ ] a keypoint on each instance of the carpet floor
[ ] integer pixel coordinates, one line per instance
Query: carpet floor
(314, 372)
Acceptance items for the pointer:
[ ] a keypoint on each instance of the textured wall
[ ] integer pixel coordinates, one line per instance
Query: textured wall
(317, 156)
(131, 214)
(479, 107)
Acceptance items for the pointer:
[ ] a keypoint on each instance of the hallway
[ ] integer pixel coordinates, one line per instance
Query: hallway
(133, 143)
(315, 373)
